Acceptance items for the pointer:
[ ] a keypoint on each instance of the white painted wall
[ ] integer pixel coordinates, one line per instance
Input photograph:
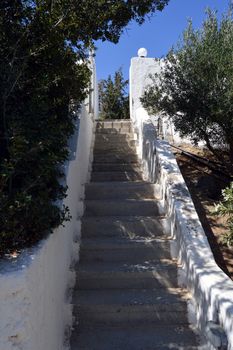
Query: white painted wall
(139, 78)
(141, 69)
(211, 289)
(35, 309)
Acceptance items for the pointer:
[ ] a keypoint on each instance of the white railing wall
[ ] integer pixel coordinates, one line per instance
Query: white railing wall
(211, 289)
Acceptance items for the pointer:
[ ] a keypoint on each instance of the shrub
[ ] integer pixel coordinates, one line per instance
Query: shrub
(41, 88)
(114, 101)
(225, 208)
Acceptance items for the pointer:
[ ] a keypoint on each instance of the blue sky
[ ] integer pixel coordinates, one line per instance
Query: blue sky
(157, 34)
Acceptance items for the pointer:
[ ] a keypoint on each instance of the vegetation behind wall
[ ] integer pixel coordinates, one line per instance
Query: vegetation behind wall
(43, 79)
(113, 98)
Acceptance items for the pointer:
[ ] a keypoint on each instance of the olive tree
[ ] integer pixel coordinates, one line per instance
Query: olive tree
(195, 86)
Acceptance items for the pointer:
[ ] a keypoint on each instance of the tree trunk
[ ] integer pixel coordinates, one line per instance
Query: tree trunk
(231, 155)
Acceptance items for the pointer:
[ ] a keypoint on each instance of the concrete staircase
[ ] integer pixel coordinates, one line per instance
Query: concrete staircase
(127, 296)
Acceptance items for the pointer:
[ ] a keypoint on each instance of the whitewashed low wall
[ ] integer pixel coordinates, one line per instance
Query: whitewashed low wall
(35, 308)
(211, 289)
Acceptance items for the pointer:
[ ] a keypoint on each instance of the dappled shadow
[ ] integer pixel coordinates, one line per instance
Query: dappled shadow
(131, 254)
(126, 277)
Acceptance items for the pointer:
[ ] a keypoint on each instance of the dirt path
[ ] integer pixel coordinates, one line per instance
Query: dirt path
(205, 189)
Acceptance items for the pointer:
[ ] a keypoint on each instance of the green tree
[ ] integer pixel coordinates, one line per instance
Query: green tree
(225, 208)
(114, 101)
(195, 86)
(41, 87)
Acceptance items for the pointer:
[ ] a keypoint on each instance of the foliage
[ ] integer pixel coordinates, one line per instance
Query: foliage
(41, 87)
(195, 86)
(114, 102)
(225, 208)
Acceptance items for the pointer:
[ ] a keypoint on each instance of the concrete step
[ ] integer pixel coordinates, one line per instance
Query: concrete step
(114, 144)
(113, 123)
(114, 138)
(116, 167)
(115, 130)
(111, 149)
(101, 176)
(98, 250)
(126, 207)
(128, 226)
(140, 256)
(115, 158)
(126, 276)
(121, 150)
(112, 243)
(131, 306)
(120, 190)
(143, 337)
(127, 295)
